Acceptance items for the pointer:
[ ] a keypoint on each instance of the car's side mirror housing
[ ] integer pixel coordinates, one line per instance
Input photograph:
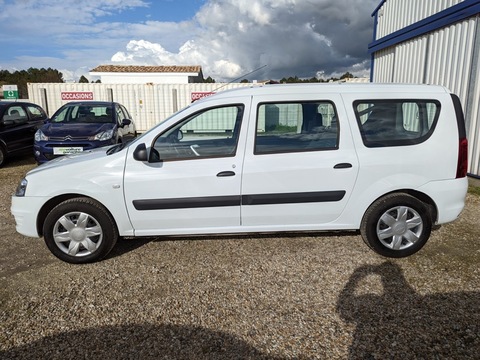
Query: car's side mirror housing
(140, 153)
(126, 122)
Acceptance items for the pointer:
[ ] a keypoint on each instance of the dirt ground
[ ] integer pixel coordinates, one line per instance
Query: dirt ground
(19, 253)
(311, 296)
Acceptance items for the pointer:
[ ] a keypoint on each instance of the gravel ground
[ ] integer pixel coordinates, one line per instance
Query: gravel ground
(307, 296)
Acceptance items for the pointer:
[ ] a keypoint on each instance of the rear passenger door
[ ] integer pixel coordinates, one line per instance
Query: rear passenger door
(300, 163)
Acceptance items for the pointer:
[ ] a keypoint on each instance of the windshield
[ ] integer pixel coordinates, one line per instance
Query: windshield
(82, 113)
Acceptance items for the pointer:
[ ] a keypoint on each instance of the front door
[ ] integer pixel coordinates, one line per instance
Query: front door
(192, 181)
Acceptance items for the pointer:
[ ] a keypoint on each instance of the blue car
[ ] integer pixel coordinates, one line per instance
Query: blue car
(81, 126)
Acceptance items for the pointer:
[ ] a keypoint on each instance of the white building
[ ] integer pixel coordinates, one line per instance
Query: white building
(432, 42)
(133, 74)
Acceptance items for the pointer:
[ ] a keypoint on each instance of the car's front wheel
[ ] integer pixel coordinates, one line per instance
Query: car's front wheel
(3, 155)
(80, 230)
(397, 225)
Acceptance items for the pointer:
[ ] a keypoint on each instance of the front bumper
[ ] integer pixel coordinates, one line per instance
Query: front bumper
(44, 151)
(25, 211)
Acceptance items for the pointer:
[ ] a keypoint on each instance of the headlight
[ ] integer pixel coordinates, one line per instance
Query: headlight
(21, 188)
(104, 135)
(40, 136)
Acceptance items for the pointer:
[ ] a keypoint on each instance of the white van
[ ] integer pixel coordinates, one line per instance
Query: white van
(388, 160)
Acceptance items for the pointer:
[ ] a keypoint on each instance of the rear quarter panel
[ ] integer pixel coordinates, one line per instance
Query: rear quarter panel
(388, 169)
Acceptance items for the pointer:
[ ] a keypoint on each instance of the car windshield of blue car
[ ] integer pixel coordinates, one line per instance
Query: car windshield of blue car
(84, 113)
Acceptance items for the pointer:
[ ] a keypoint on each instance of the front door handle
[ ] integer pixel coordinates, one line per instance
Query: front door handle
(226, 173)
(343, 166)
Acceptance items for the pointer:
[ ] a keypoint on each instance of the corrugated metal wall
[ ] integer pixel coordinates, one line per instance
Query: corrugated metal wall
(448, 56)
(148, 104)
(449, 60)
(398, 14)
(409, 63)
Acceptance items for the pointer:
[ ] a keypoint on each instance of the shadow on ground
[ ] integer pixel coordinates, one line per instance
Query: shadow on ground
(396, 323)
(138, 342)
(403, 324)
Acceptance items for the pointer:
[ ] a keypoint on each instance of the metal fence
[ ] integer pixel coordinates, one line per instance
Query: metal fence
(148, 104)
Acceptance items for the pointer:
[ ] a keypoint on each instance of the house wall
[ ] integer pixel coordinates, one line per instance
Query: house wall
(145, 78)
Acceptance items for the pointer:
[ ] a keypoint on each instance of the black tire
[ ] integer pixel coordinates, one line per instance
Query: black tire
(396, 225)
(3, 156)
(80, 230)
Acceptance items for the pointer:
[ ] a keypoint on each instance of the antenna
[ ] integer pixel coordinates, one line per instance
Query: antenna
(251, 72)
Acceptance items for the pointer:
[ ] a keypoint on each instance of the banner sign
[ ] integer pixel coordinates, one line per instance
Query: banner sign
(10, 92)
(76, 95)
(197, 95)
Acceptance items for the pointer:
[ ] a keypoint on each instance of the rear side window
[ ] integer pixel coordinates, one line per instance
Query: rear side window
(16, 115)
(296, 127)
(396, 122)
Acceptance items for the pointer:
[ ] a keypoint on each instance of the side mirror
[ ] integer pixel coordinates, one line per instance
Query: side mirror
(179, 135)
(140, 153)
(126, 122)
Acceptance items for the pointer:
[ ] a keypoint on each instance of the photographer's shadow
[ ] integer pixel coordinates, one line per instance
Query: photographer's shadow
(400, 323)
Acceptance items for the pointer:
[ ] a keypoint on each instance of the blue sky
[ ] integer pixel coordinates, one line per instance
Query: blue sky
(227, 38)
(161, 10)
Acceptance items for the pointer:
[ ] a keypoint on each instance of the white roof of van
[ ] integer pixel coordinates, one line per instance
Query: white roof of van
(328, 88)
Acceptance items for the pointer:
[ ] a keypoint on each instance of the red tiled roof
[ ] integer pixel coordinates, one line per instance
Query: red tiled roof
(147, 69)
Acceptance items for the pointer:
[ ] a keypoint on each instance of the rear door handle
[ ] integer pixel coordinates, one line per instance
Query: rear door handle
(343, 166)
(225, 174)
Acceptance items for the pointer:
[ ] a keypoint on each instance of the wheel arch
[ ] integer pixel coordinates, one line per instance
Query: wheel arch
(50, 204)
(424, 198)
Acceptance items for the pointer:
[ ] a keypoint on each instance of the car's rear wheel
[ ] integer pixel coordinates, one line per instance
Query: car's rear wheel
(397, 225)
(80, 230)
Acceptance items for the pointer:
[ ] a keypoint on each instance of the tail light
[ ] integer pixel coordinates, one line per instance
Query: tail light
(462, 163)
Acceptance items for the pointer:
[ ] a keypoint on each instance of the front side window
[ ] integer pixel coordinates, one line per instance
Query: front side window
(126, 114)
(120, 115)
(396, 122)
(36, 113)
(296, 127)
(210, 133)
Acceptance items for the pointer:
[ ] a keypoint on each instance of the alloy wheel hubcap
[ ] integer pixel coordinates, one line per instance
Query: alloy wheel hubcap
(399, 227)
(77, 234)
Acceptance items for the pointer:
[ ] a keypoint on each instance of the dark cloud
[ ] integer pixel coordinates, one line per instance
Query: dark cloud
(228, 38)
(291, 37)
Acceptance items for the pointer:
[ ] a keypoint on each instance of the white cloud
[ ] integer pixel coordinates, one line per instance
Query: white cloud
(291, 37)
(228, 38)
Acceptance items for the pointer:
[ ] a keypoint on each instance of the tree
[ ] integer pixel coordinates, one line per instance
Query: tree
(32, 75)
(83, 80)
(209, 80)
(347, 75)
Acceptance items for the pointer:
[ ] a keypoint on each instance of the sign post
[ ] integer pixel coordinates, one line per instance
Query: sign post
(10, 92)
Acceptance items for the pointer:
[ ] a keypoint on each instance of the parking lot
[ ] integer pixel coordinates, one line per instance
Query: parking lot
(295, 296)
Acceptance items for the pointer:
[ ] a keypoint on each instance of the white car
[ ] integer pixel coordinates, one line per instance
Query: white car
(388, 160)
